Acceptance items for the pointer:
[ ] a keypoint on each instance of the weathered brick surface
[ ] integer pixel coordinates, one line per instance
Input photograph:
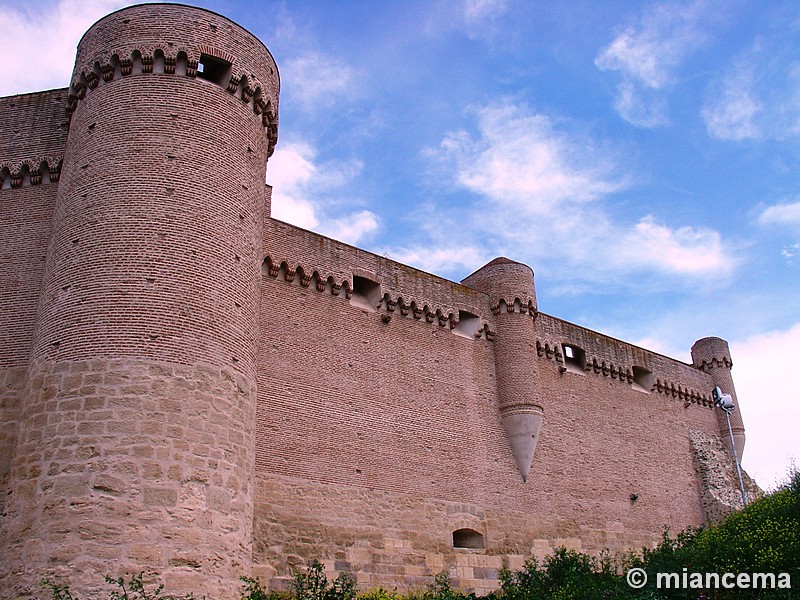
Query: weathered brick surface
(33, 127)
(32, 138)
(407, 412)
(189, 385)
(336, 262)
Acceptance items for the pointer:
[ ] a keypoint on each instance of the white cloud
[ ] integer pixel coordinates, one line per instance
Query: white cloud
(770, 404)
(685, 250)
(290, 172)
(757, 96)
(477, 19)
(520, 159)
(443, 258)
(648, 55)
(315, 81)
(39, 41)
(353, 227)
(731, 112)
(307, 193)
(544, 192)
(781, 214)
(790, 252)
(476, 12)
(640, 108)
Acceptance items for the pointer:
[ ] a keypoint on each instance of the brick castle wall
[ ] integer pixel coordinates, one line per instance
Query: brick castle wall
(32, 138)
(369, 430)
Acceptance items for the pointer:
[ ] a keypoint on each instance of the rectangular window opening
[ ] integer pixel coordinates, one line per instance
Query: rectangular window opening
(366, 293)
(574, 358)
(213, 69)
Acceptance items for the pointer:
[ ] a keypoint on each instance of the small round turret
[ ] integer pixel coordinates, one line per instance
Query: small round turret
(713, 356)
(137, 445)
(510, 287)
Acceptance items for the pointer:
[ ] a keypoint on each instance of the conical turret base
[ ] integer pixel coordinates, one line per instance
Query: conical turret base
(522, 424)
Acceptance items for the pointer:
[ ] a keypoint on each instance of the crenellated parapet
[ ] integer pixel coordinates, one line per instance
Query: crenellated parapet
(679, 391)
(183, 62)
(627, 374)
(233, 61)
(524, 305)
(297, 274)
(30, 172)
(462, 319)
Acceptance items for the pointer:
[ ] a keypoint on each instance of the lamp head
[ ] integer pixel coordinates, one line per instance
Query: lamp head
(723, 401)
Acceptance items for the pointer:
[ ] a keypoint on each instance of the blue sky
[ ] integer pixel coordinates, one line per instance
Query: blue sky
(641, 157)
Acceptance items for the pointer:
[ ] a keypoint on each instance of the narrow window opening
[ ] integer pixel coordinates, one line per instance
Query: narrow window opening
(467, 538)
(158, 62)
(468, 325)
(642, 379)
(213, 69)
(574, 358)
(366, 293)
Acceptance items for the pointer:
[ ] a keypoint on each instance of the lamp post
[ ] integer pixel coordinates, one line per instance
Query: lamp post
(725, 402)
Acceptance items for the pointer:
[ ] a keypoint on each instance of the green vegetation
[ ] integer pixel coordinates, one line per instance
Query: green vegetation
(763, 538)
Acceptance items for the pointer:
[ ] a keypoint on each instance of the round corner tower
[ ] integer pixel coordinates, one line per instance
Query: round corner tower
(713, 356)
(136, 446)
(509, 285)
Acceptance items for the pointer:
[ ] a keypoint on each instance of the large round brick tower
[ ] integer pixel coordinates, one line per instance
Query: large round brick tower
(510, 287)
(136, 444)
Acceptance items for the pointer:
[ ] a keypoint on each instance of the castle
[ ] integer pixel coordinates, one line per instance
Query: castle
(190, 386)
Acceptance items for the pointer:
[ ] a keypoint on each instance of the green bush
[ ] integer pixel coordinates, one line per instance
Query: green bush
(131, 589)
(312, 584)
(380, 593)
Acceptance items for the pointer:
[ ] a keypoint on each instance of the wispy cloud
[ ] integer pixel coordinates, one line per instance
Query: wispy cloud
(733, 106)
(521, 159)
(545, 192)
(648, 54)
(307, 193)
(757, 96)
(686, 250)
(442, 259)
(477, 19)
(478, 12)
(791, 251)
(315, 81)
(786, 214)
(40, 39)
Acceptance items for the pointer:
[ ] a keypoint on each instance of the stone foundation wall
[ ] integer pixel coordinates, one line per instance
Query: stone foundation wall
(719, 482)
(401, 541)
(11, 382)
(123, 465)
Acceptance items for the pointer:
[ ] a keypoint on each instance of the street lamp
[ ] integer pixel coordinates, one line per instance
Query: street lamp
(725, 402)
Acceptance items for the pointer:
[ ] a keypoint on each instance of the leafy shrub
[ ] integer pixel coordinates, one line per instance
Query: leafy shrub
(132, 589)
(312, 584)
(380, 593)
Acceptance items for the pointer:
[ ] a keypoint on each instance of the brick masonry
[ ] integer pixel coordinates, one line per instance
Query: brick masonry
(193, 387)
